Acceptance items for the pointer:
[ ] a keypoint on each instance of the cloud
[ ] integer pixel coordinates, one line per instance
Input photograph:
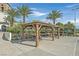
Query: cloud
(33, 8)
(46, 20)
(37, 13)
(72, 21)
(73, 5)
(77, 21)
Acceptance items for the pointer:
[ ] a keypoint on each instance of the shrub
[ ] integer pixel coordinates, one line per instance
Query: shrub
(14, 29)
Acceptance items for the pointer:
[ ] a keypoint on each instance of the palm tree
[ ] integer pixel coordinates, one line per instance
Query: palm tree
(11, 16)
(23, 11)
(55, 14)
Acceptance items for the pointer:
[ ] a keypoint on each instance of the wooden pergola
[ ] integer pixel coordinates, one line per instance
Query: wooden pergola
(38, 25)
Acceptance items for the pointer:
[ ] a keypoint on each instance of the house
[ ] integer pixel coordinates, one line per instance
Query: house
(4, 7)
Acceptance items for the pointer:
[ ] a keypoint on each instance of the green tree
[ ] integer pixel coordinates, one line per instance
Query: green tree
(11, 16)
(55, 14)
(23, 11)
(60, 24)
(69, 28)
(69, 25)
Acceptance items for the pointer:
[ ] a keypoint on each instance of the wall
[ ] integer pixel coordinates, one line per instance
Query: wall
(3, 14)
(5, 6)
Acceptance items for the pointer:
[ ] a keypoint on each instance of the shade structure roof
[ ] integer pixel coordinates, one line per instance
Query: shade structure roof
(41, 24)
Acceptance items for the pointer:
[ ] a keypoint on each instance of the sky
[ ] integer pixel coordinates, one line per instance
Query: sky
(41, 10)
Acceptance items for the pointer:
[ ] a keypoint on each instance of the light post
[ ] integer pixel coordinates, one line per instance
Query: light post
(75, 11)
(75, 22)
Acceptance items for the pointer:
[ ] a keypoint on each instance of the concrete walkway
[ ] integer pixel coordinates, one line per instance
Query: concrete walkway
(65, 46)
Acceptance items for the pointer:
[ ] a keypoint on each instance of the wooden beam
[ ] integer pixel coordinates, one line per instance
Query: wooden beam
(37, 35)
(63, 32)
(34, 26)
(53, 35)
(39, 31)
(40, 26)
(58, 30)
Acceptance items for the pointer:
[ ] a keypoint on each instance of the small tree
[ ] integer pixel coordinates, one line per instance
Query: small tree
(60, 24)
(69, 27)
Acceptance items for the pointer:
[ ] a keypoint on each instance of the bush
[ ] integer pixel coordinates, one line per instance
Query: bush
(14, 29)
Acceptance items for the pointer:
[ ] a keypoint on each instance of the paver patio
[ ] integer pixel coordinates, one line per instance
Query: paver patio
(65, 46)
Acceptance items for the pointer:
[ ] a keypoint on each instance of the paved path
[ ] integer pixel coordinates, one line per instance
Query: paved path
(65, 46)
(77, 48)
(36, 52)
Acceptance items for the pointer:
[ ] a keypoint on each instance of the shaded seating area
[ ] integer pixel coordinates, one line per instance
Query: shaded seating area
(38, 26)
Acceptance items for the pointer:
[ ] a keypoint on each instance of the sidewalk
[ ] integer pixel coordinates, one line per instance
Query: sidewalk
(60, 47)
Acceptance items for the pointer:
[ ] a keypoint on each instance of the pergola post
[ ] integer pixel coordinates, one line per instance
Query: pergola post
(53, 34)
(37, 35)
(63, 32)
(58, 32)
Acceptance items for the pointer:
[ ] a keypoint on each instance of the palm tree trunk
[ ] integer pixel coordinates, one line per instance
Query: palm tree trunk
(54, 21)
(23, 28)
(22, 33)
(11, 24)
(23, 19)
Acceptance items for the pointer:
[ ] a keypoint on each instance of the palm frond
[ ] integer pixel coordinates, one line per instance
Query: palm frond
(55, 14)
